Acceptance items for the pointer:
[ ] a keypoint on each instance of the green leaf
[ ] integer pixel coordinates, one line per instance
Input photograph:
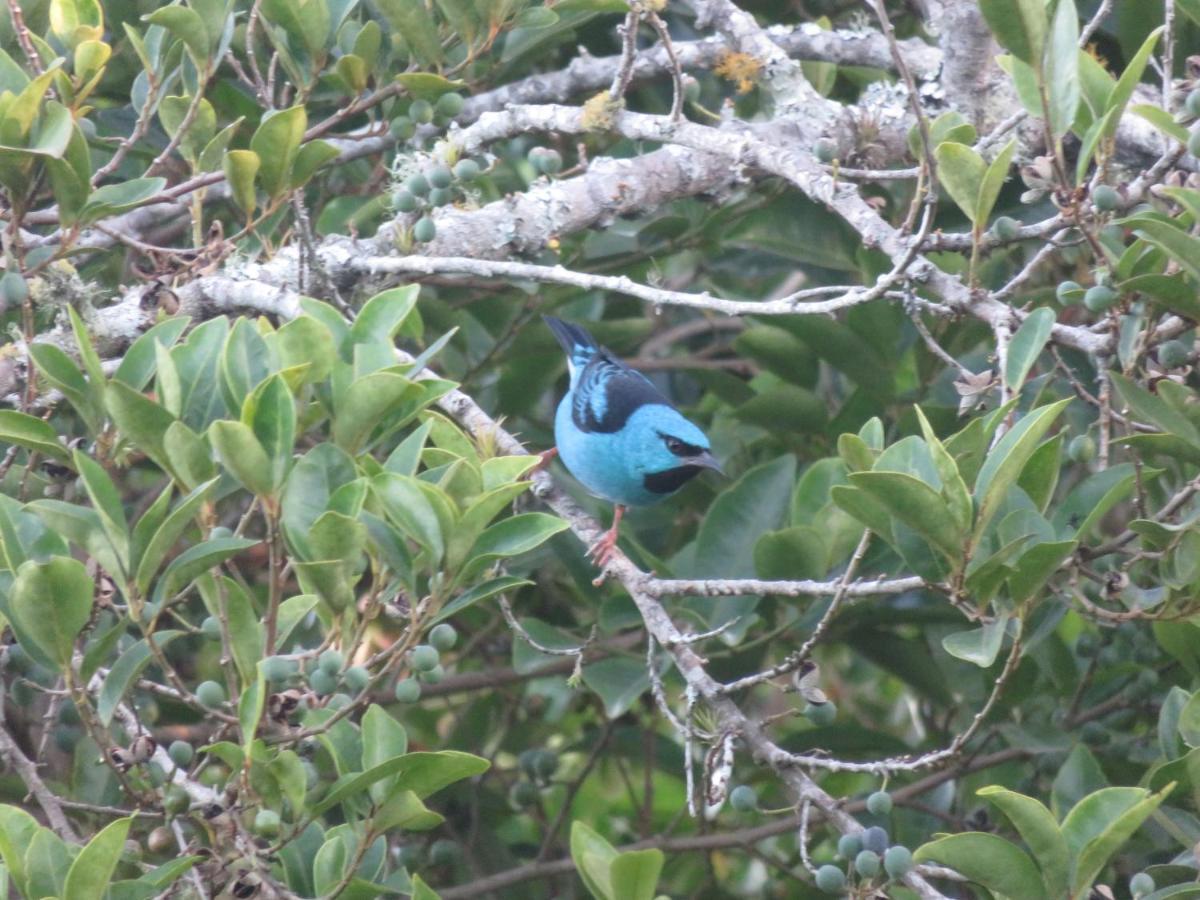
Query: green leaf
(993, 180)
(412, 19)
(618, 681)
(593, 857)
(53, 602)
(309, 159)
(125, 671)
(1100, 824)
(168, 533)
(241, 167)
(141, 420)
(405, 811)
(90, 873)
(1036, 825)
(195, 561)
(1026, 345)
(366, 405)
(1007, 459)
(986, 859)
(137, 365)
(634, 874)
(421, 773)
(271, 413)
(1189, 721)
(1061, 66)
(62, 373)
(961, 171)
(513, 536)
(185, 24)
(980, 645)
(1128, 82)
(107, 503)
(276, 141)
(250, 706)
(117, 198)
(32, 433)
(383, 315)
(228, 601)
(383, 738)
(480, 592)
(240, 452)
(1019, 26)
(1175, 242)
(917, 505)
(422, 891)
(307, 21)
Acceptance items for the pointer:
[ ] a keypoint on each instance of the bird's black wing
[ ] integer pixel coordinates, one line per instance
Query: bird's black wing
(609, 392)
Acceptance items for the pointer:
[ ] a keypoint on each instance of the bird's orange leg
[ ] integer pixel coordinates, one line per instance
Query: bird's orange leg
(544, 460)
(601, 551)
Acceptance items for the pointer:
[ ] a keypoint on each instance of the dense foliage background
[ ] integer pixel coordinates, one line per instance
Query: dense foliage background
(289, 611)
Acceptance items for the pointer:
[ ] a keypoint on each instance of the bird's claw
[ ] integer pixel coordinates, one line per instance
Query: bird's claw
(602, 551)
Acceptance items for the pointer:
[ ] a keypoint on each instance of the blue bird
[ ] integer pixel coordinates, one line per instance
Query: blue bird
(618, 435)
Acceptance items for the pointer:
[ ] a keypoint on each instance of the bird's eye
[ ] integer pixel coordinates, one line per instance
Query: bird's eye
(675, 445)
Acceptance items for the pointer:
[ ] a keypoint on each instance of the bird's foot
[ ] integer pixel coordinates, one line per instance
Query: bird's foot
(602, 551)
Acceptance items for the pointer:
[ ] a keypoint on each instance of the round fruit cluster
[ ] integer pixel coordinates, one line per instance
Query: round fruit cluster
(866, 854)
(423, 112)
(433, 187)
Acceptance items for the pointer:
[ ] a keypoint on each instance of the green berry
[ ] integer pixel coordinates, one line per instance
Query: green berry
(267, 823)
(1192, 103)
(434, 675)
(1099, 298)
(1094, 733)
(1193, 142)
(66, 738)
(408, 690)
(743, 798)
(440, 176)
(849, 846)
(176, 800)
(552, 162)
(425, 230)
(450, 105)
(879, 803)
(528, 762)
(545, 764)
(404, 201)
(523, 794)
(1106, 198)
(322, 682)
(1069, 292)
(444, 853)
(338, 701)
(210, 694)
(825, 150)
(466, 170)
(278, 669)
(220, 531)
(424, 657)
(331, 662)
(211, 628)
(1174, 354)
(1141, 883)
(440, 196)
(421, 111)
(1006, 228)
(443, 636)
(821, 713)
(417, 185)
(898, 861)
(1082, 448)
(356, 678)
(875, 839)
(866, 864)
(410, 856)
(181, 753)
(13, 288)
(831, 879)
(402, 128)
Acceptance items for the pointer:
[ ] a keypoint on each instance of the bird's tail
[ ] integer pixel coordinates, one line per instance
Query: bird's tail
(578, 344)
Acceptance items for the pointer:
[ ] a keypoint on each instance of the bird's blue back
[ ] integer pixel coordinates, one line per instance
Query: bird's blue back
(612, 426)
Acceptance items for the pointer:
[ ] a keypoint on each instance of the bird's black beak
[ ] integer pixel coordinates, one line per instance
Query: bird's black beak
(706, 460)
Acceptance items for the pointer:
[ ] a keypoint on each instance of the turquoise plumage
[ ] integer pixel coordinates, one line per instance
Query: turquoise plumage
(618, 435)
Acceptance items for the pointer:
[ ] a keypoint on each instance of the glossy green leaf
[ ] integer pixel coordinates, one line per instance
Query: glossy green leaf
(93, 868)
(593, 857)
(126, 670)
(1026, 346)
(32, 433)
(980, 645)
(277, 141)
(986, 859)
(241, 168)
(634, 874)
(1061, 67)
(1019, 25)
(53, 602)
(1041, 834)
(240, 452)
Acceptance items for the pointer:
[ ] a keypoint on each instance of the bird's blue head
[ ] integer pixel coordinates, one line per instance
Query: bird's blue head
(664, 450)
